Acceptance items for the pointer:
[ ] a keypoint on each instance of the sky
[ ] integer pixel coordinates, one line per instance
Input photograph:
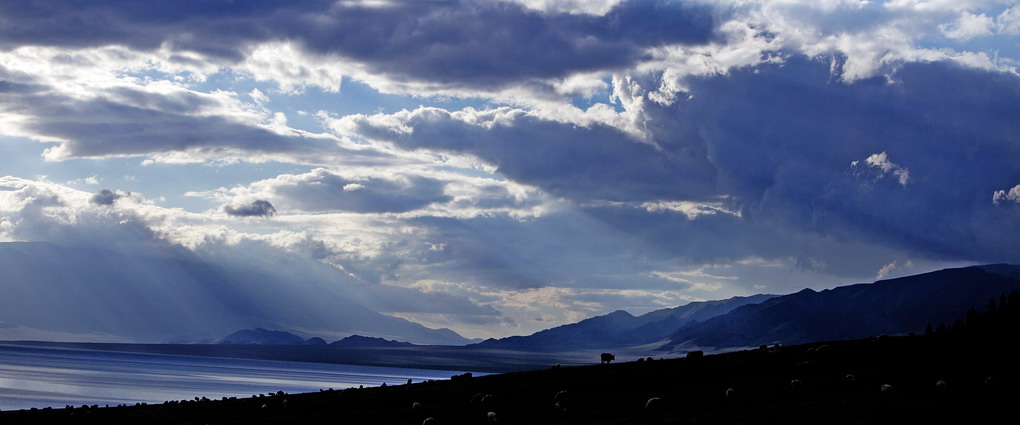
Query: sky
(502, 167)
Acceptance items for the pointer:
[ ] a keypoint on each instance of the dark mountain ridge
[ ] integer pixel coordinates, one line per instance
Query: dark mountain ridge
(620, 328)
(262, 336)
(892, 306)
(366, 341)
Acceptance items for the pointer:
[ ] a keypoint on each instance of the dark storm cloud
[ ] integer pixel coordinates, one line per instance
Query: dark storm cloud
(465, 43)
(581, 163)
(322, 190)
(789, 155)
(258, 208)
(105, 197)
(782, 141)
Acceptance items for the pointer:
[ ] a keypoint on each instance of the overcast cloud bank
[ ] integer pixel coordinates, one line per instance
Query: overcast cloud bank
(503, 167)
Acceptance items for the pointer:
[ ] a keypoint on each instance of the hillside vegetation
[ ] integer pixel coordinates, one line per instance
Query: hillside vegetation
(964, 372)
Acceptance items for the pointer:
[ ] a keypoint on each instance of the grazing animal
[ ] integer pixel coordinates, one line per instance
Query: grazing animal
(697, 354)
(560, 396)
(887, 389)
(429, 421)
(940, 385)
(607, 357)
(653, 403)
(416, 407)
(491, 416)
(477, 398)
(730, 393)
(796, 385)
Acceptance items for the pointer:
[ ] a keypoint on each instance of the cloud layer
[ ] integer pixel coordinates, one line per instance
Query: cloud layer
(500, 167)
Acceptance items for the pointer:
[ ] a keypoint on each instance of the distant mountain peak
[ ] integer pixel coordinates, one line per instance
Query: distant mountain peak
(620, 328)
(262, 336)
(367, 341)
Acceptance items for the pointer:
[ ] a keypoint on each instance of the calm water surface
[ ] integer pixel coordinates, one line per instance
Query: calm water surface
(55, 377)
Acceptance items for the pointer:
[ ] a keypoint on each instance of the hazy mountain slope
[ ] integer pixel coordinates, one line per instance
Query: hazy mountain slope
(364, 341)
(620, 328)
(175, 294)
(854, 311)
(267, 337)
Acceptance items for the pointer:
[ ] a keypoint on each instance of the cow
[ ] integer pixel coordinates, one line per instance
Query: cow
(607, 357)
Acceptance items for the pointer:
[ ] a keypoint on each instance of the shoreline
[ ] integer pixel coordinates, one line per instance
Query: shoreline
(432, 357)
(842, 383)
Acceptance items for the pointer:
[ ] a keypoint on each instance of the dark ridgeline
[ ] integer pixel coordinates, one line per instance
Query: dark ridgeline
(964, 372)
(260, 336)
(894, 306)
(620, 328)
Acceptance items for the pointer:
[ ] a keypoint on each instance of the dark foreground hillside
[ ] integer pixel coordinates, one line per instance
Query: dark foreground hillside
(966, 373)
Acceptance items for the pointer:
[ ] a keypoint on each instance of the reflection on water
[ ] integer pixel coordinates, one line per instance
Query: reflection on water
(55, 377)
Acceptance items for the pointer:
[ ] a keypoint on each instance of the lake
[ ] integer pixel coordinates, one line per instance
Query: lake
(55, 377)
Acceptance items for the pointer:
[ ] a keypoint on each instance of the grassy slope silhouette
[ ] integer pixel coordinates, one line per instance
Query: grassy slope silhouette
(864, 381)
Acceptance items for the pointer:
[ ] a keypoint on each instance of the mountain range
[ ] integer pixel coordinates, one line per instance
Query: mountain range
(261, 336)
(893, 306)
(621, 328)
(160, 295)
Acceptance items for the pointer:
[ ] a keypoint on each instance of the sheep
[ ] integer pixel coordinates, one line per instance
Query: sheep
(731, 393)
(416, 407)
(477, 398)
(992, 385)
(697, 354)
(607, 357)
(429, 421)
(653, 403)
(491, 416)
(887, 389)
(940, 385)
(796, 385)
(560, 396)
(488, 399)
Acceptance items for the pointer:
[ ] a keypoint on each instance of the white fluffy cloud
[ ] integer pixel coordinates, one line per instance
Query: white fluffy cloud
(968, 26)
(487, 155)
(1002, 195)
